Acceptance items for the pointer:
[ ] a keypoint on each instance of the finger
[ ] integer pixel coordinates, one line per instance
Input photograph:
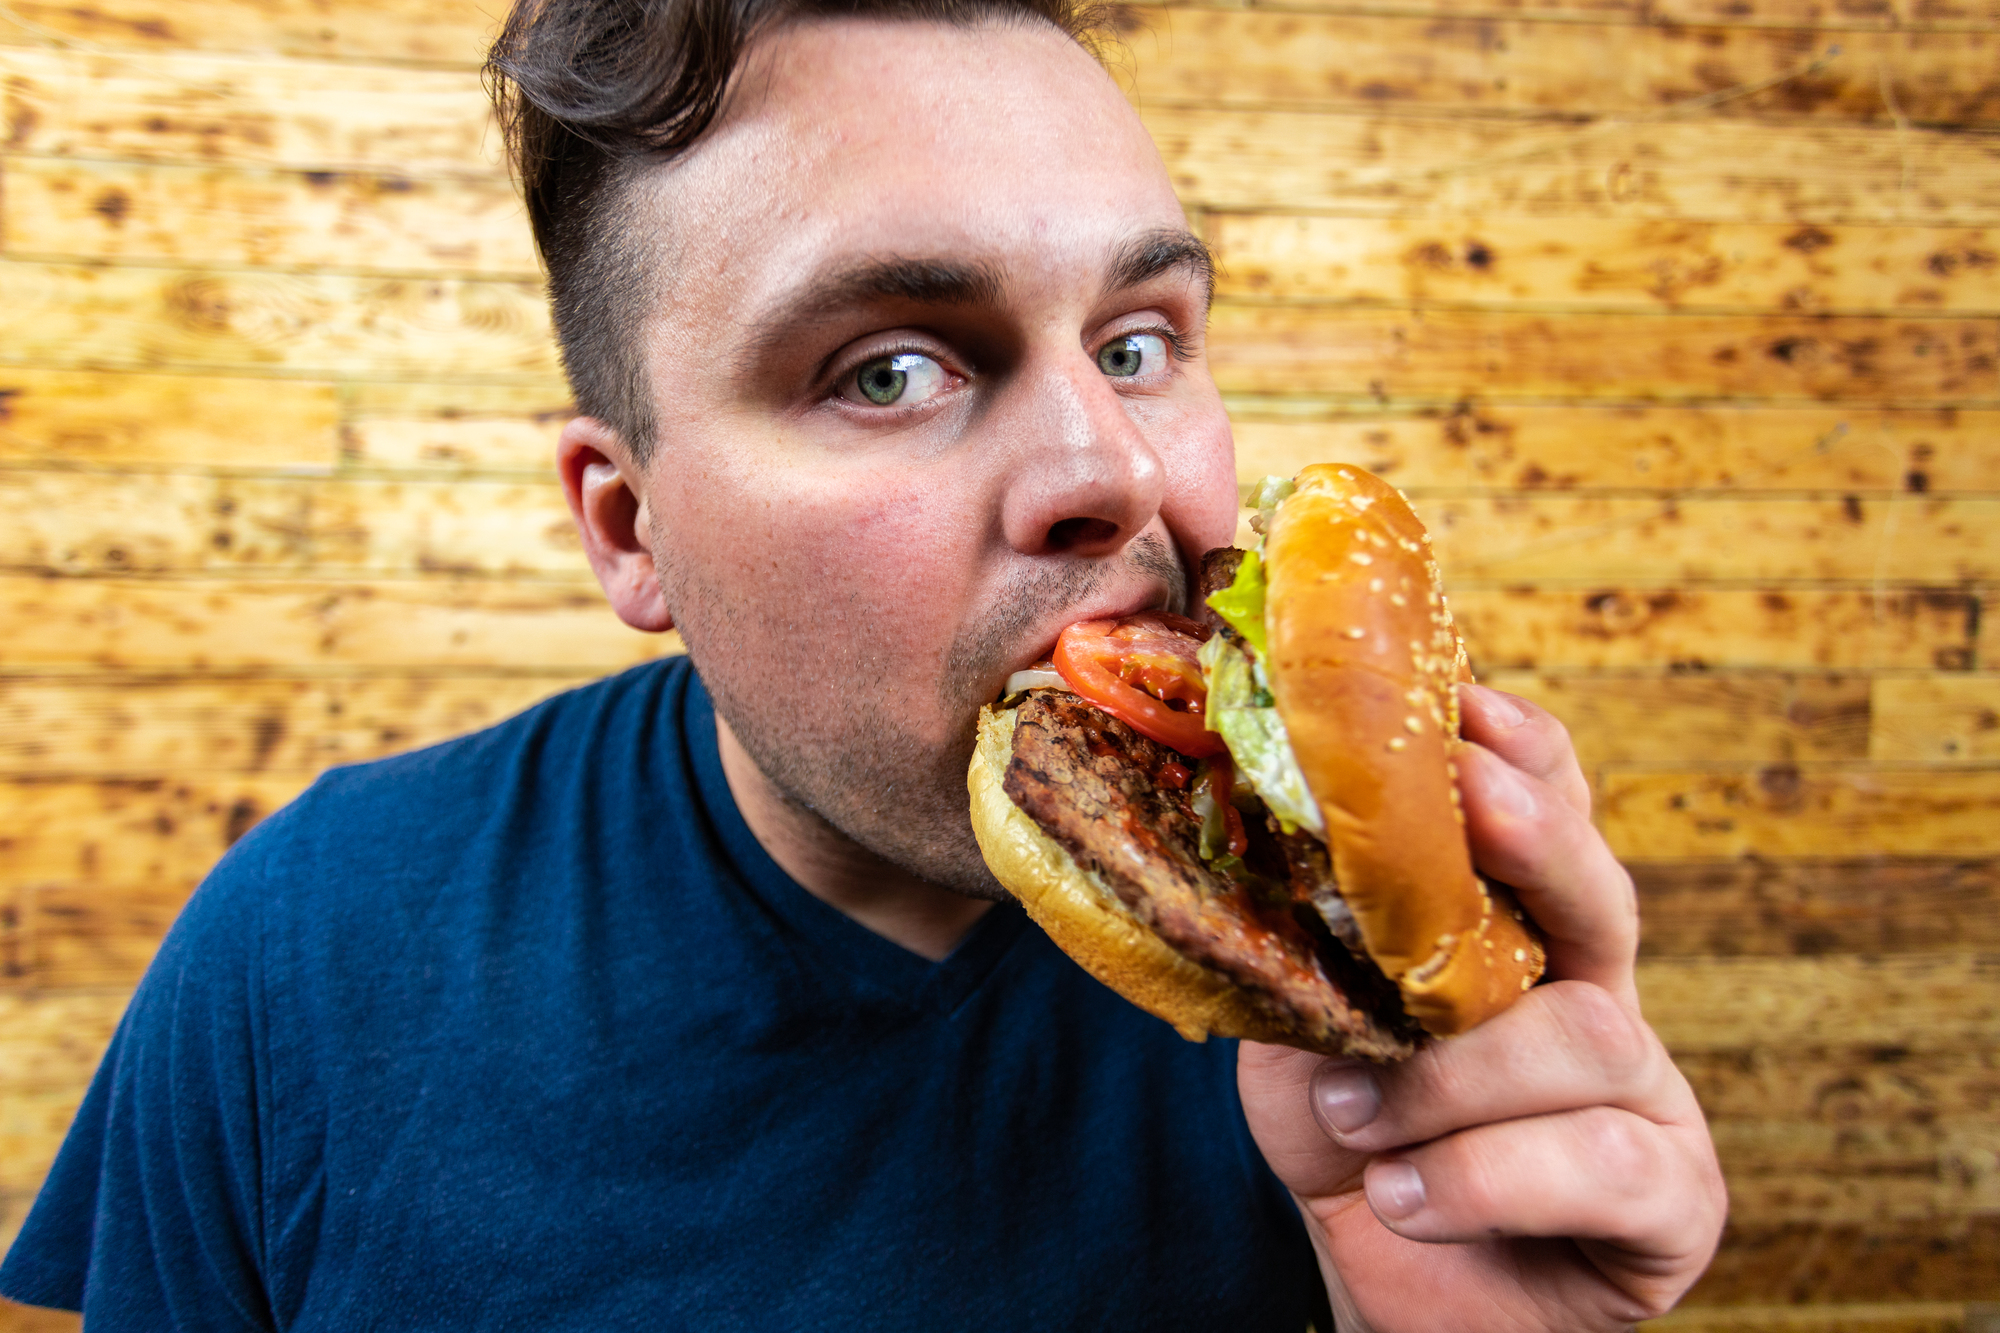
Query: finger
(1526, 835)
(1530, 738)
(1560, 1048)
(1275, 1083)
(1597, 1174)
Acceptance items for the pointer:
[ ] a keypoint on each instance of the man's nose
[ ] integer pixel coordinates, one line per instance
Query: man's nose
(1087, 481)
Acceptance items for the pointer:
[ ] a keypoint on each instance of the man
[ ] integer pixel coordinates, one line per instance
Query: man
(649, 1011)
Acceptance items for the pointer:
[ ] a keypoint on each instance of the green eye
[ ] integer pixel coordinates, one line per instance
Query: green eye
(903, 380)
(880, 382)
(1139, 354)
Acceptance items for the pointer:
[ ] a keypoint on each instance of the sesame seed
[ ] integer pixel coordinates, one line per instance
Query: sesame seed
(1414, 726)
(1526, 982)
(1361, 557)
(1374, 585)
(1397, 599)
(1356, 632)
(1520, 955)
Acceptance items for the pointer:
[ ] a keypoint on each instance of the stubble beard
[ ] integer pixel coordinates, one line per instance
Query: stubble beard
(863, 770)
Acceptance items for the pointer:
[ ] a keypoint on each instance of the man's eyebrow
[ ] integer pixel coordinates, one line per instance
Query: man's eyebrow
(1153, 253)
(917, 281)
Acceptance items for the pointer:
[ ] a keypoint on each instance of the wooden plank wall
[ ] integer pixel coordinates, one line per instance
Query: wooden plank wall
(1677, 317)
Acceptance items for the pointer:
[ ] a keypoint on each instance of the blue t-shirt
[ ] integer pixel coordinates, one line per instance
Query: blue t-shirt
(528, 1031)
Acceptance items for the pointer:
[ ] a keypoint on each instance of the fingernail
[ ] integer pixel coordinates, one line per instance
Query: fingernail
(1346, 1097)
(1508, 790)
(1395, 1190)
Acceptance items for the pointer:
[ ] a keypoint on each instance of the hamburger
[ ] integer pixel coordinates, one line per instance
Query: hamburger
(1250, 824)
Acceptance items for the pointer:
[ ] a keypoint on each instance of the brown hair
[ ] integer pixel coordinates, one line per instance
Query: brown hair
(590, 90)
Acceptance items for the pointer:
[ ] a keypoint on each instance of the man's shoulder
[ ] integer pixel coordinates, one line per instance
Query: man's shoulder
(411, 815)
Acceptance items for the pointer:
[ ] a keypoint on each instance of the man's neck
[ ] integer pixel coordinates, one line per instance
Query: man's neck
(895, 904)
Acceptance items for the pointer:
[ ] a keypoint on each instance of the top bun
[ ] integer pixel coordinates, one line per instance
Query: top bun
(1364, 664)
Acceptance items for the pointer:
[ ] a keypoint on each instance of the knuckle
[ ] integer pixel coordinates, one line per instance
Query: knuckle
(1605, 1033)
(1616, 1149)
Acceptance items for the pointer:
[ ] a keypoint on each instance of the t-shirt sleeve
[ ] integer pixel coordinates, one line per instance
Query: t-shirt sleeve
(150, 1218)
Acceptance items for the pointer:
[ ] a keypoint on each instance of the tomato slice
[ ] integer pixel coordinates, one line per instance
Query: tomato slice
(1142, 670)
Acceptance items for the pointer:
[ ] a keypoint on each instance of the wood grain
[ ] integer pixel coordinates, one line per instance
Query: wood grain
(310, 324)
(1634, 718)
(247, 216)
(1522, 626)
(1601, 263)
(80, 522)
(1443, 166)
(1809, 907)
(54, 1041)
(1786, 810)
(1836, 15)
(65, 418)
(151, 831)
(1534, 447)
(1934, 1002)
(1834, 1263)
(174, 106)
(455, 444)
(1840, 1085)
(196, 624)
(1693, 539)
(1454, 354)
(1258, 58)
(1933, 719)
(176, 725)
(1910, 1317)
(431, 31)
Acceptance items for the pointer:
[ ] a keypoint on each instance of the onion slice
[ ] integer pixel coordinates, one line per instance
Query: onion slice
(1037, 677)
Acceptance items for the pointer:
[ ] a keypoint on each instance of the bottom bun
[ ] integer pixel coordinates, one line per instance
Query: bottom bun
(1088, 922)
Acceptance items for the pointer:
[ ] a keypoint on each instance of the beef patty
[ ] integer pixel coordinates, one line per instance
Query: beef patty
(1095, 786)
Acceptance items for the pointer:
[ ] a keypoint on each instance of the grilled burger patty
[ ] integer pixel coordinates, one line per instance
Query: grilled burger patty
(1095, 786)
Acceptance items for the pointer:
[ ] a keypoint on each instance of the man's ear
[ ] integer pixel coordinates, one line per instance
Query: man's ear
(602, 485)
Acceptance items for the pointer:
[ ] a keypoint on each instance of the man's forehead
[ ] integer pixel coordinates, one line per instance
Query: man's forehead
(1000, 147)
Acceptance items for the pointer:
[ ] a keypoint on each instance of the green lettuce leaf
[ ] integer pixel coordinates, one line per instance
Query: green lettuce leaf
(1242, 602)
(1240, 708)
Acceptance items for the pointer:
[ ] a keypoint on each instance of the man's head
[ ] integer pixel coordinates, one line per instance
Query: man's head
(913, 333)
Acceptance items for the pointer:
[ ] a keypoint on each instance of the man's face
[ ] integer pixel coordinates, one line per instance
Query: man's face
(930, 384)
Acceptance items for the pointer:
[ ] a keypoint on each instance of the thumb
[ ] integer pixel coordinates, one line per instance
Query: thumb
(1277, 1087)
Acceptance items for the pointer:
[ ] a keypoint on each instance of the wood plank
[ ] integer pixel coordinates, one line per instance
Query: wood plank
(1258, 58)
(1783, 810)
(1510, 446)
(32, 1126)
(76, 934)
(1805, 1261)
(1721, 171)
(1928, 1002)
(77, 522)
(1690, 629)
(1904, 1317)
(70, 726)
(28, 1319)
(53, 1041)
(248, 216)
(1846, 1084)
(196, 625)
(69, 417)
(1835, 15)
(1935, 719)
(1606, 263)
(158, 831)
(1453, 354)
(1904, 539)
(310, 324)
(1686, 718)
(432, 31)
(175, 106)
(461, 444)
(1869, 904)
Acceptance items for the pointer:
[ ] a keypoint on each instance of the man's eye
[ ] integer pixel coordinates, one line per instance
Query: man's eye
(1138, 354)
(903, 380)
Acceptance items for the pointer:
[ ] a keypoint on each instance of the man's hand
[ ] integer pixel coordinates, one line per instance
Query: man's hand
(1549, 1169)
